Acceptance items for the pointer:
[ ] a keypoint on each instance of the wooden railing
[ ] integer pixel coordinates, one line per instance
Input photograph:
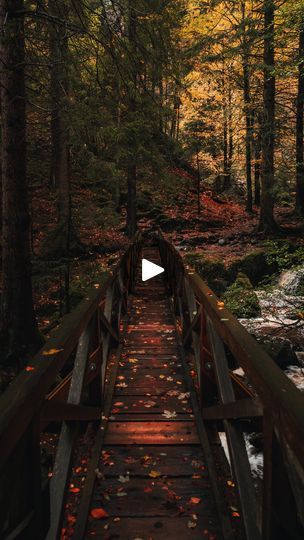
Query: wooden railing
(81, 347)
(210, 331)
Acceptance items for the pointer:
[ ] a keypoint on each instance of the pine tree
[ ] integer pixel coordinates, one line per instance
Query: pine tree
(19, 334)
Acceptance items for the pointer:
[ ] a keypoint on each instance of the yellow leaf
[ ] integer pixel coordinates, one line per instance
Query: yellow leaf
(51, 351)
(154, 474)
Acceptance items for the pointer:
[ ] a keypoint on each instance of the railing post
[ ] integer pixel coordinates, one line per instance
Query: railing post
(235, 439)
(68, 435)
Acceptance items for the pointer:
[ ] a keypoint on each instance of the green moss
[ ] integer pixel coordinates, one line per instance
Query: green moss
(211, 270)
(255, 265)
(241, 299)
(284, 254)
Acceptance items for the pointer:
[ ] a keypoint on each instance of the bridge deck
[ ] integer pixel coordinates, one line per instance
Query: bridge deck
(154, 482)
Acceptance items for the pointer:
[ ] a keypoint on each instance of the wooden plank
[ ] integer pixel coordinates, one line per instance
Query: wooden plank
(130, 416)
(243, 408)
(68, 435)
(154, 497)
(156, 528)
(152, 403)
(58, 411)
(149, 363)
(172, 461)
(267, 511)
(105, 323)
(161, 380)
(151, 433)
(143, 390)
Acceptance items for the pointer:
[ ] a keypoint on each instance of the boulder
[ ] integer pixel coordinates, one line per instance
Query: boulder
(255, 265)
(292, 282)
(241, 299)
(281, 351)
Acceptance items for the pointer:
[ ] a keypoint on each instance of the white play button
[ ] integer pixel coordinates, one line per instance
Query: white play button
(150, 270)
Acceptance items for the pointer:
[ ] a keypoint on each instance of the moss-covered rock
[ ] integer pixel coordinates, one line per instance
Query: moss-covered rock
(241, 299)
(255, 265)
(211, 270)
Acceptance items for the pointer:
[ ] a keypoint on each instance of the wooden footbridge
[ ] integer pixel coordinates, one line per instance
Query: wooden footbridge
(132, 392)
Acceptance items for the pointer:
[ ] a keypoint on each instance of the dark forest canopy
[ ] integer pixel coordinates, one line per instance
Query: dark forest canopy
(104, 101)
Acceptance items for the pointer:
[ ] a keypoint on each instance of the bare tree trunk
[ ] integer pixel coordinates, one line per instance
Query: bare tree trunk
(267, 222)
(19, 334)
(299, 129)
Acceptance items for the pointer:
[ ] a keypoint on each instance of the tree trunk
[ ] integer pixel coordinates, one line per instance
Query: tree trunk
(248, 111)
(299, 129)
(267, 222)
(19, 334)
(131, 201)
(257, 163)
(55, 99)
(132, 168)
(60, 162)
(230, 131)
(227, 132)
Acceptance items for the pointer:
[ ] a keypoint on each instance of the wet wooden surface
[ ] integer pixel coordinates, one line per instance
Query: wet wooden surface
(151, 480)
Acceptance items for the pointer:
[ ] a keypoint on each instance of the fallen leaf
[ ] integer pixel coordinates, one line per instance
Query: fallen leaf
(122, 494)
(154, 474)
(99, 513)
(195, 500)
(51, 351)
(149, 404)
(74, 490)
(124, 479)
(191, 524)
(169, 414)
(184, 395)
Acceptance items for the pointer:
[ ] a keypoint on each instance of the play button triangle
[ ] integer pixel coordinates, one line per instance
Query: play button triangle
(150, 270)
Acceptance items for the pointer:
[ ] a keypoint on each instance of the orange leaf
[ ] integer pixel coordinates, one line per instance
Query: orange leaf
(195, 500)
(99, 513)
(51, 351)
(154, 474)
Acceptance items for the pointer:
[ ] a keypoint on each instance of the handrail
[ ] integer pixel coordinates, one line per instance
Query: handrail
(87, 335)
(209, 327)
